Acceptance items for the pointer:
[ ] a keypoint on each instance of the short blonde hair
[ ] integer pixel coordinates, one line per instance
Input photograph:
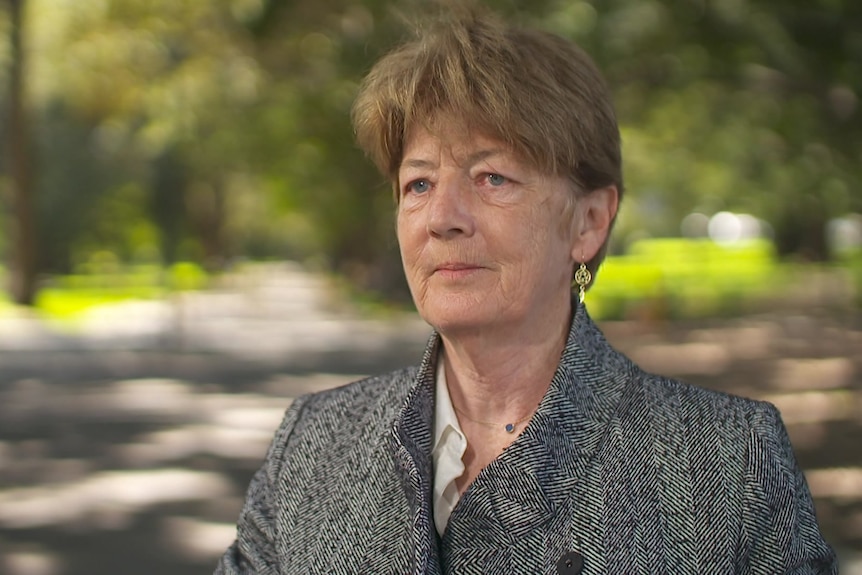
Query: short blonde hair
(540, 94)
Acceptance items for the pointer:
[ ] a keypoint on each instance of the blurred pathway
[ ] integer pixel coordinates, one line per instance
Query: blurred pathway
(126, 447)
(272, 315)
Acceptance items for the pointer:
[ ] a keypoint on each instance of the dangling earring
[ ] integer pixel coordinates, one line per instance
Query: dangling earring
(582, 279)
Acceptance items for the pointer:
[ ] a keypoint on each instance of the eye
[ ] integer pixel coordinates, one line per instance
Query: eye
(496, 179)
(418, 186)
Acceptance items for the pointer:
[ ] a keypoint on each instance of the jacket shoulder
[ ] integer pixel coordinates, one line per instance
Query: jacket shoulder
(324, 468)
(693, 404)
(362, 390)
(356, 405)
(708, 430)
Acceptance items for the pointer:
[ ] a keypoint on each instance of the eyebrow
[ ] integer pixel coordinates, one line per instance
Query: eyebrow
(470, 160)
(416, 163)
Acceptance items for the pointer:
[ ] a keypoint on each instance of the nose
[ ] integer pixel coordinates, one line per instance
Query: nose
(450, 211)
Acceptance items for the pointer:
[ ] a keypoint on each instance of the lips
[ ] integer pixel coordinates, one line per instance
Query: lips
(456, 270)
(455, 267)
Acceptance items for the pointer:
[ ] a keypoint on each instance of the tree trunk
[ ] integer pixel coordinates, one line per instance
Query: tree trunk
(206, 206)
(22, 227)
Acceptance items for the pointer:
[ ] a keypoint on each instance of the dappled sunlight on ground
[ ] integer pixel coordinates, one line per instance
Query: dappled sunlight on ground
(198, 540)
(101, 457)
(816, 406)
(843, 483)
(105, 499)
(820, 373)
(174, 444)
(127, 462)
(31, 563)
(684, 359)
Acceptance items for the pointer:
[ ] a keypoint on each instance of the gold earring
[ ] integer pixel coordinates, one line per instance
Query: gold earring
(582, 279)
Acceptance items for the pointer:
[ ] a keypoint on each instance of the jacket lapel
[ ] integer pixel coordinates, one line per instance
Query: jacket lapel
(537, 494)
(410, 440)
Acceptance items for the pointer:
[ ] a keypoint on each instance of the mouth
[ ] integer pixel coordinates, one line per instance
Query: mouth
(456, 270)
(455, 267)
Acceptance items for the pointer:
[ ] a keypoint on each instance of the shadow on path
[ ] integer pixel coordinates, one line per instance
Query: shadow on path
(135, 458)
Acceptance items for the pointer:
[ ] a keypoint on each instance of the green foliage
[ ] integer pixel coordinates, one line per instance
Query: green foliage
(659, 279)
(5, 304)
(104, 270)
(174, 130)
(185, 276)
(852, 262)
(69, 305)
(104, 279)
(674, 278)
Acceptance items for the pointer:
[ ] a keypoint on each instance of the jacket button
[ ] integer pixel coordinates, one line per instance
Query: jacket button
(570, 564)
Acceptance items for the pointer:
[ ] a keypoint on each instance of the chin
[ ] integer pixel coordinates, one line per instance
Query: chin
(457, 316)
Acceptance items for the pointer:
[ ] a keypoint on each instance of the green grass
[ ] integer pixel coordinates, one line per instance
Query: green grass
(67, 298)
(70, 304)
(853, 263)
(676, 278)
(658, 278)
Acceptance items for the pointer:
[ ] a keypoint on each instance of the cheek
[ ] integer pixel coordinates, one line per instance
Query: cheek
(410, 245)
(544, 228)
(403, 232)
(524, 250)
(550, 236)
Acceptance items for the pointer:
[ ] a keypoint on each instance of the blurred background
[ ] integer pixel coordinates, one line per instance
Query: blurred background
(189, 239)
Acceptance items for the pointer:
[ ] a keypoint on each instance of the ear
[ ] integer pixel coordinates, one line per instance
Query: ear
(594, 213)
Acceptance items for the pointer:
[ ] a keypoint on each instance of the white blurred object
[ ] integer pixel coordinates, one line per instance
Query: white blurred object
(730, 228)
(695, 225)
(844, 234)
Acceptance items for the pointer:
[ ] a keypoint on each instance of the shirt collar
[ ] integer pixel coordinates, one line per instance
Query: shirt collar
(444, 413)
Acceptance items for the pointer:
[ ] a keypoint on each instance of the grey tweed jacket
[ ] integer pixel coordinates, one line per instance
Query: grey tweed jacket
(633, 472)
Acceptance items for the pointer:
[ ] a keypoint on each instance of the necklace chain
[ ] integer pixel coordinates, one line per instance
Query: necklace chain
(509, 427)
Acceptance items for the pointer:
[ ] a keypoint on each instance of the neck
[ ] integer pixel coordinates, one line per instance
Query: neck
(501, 375)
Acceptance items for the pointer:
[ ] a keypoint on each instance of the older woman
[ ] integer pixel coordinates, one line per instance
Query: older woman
(522, 443)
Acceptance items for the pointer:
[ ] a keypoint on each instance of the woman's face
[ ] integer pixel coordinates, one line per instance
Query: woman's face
(486, 241)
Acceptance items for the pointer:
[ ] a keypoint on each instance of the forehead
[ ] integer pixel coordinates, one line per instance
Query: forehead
(426, 144)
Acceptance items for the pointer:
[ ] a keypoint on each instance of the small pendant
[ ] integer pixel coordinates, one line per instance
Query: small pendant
(510, 427)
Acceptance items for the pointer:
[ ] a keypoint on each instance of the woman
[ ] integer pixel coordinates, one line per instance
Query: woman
(522, 443)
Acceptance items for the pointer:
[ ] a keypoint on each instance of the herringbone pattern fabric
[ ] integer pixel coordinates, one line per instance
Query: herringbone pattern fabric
(639, 474)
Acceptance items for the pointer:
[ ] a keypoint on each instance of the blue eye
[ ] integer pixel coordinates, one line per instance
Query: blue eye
(496, 180)
(418, 186)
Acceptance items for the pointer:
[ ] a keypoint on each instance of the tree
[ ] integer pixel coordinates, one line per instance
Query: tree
(207, 130)
(22, 224)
